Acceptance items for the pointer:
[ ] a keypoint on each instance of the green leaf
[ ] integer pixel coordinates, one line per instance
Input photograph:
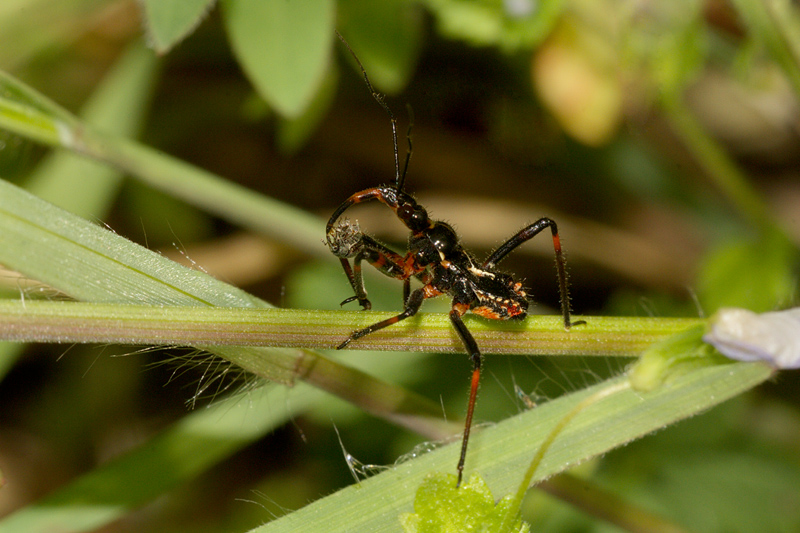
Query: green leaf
(759, 275)
(292, 133)
(386, 37)
(441, 507)
(508, 25)
(283, 46)
(169, 21)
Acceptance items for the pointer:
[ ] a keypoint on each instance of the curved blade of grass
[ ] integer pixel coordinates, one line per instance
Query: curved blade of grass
(501, 452)
(25, 112)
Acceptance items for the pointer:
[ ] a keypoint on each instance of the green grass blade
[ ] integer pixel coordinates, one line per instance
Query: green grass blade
(93, 264)
(85, 187)
(187, 448)
(500, 453)
(25, 112)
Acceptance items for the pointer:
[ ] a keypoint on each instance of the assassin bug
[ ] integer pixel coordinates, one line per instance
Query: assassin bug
(436, 258)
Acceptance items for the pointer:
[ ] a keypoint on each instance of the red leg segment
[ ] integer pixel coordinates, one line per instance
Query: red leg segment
(466, 337)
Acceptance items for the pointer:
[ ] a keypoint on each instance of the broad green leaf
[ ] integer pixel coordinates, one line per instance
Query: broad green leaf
(441, 507)
(292, 133)
(283, 47)
(169, 21)
(386, 38)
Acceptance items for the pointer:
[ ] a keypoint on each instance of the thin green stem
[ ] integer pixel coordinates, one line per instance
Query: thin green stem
(725, 174)
(80, 322)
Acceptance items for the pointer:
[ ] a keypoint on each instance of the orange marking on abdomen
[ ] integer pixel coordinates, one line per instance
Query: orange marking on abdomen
(487, 312)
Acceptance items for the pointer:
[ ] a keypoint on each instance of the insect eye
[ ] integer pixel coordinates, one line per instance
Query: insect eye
(414, 216)
(405, 211)
(419, 217)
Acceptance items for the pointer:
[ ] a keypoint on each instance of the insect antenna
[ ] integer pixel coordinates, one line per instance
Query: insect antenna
(399, 178)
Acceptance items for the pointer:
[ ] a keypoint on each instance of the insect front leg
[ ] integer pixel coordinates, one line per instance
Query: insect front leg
(347, 241)
(356, 282)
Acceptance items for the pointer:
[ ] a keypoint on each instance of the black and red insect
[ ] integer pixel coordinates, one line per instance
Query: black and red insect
(436, 258)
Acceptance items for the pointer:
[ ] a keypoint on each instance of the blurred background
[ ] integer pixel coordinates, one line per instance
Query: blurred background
(661, 136)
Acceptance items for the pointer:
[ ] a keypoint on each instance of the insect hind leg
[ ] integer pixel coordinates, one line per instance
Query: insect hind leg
(475, 355)
(523, 236)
